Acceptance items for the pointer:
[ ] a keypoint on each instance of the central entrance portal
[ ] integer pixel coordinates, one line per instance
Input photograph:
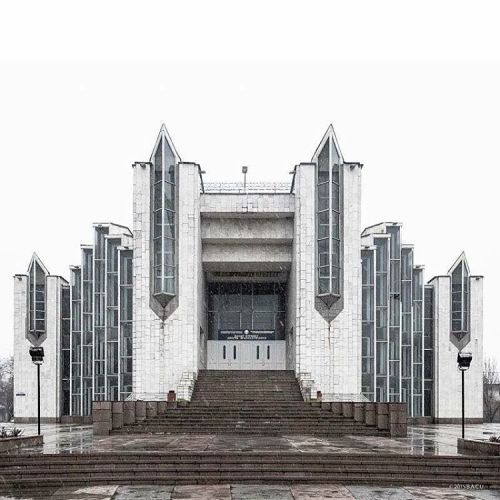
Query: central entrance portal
(246, 326)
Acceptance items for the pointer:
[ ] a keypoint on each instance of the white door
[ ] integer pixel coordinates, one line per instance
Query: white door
(246, 355)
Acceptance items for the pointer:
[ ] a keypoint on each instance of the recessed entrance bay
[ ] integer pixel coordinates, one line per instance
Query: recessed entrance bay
(255, 311)
(246, 323)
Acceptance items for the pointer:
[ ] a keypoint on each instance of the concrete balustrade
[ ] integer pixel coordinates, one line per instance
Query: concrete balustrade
(359, 412)
(382, 416)
(337, 408)
(117, 415)
(162, 407)
(101, 417)
(171, 399)
(128, 412)
(370, 414)
(109, 415)
(151, 409)
(347, 409)
(398, 420)
(391, 417)
(140, 411)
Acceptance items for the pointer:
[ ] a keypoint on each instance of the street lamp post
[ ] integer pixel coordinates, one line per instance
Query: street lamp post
(463, 359)
(36, 354)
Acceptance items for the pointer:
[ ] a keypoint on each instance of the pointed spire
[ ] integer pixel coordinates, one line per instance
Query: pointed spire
(163, 134)
(461, 259)
(330, 133)
(35, 258)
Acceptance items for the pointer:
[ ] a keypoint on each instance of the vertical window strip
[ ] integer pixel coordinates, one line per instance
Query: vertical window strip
(329, 281)
(76, 342)
(163, 221)
(460, 283)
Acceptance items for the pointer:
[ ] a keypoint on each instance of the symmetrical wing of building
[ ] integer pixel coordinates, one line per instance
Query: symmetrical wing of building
(248, 277)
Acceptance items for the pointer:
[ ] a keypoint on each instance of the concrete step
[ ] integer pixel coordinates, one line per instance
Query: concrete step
(248, 402)
(44, 471)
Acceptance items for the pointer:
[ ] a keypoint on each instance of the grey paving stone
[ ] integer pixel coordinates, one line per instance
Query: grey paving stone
(202, 492)
(487, 494)
(25, 495)
(431, 440)
(424, 493)
(374, 493)
(310, 491)
(86, 492)
(142, 492)
(260, 492)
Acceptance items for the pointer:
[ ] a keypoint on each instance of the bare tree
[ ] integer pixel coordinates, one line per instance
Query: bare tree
(7, 387)
(491, 390)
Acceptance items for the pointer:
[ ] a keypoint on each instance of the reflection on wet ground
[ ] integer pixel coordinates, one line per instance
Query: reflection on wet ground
(428, 440)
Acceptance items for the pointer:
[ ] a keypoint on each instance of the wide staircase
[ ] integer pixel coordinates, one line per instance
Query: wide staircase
(248, 402)
(49, 471)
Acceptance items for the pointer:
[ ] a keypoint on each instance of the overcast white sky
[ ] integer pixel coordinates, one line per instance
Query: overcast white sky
(412, 89)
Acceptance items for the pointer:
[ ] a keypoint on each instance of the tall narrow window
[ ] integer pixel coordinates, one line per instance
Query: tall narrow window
(126, 299)
(328, 220)
(76, 340)
(87, 351)
(368, 324)
(65, 348)
(163, 205)
(460, 297)
(36, 276)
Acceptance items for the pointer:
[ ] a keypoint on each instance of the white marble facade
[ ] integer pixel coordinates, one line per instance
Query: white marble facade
(224, 231)
(447, 395)
(247, 231)
(25, 372)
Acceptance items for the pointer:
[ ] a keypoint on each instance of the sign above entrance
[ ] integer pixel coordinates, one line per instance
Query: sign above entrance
(247, 335)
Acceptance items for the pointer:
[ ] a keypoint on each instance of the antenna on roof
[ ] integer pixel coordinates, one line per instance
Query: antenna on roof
(244, 170)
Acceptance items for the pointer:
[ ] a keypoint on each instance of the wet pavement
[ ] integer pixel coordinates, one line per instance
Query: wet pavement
(257, 492)
(421, 440)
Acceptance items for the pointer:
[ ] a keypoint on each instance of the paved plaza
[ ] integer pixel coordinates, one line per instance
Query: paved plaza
(428, 440)
(421, 440)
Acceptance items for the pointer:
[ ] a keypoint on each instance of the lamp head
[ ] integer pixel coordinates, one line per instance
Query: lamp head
(464, 359)
(36, 354)
(244, 170)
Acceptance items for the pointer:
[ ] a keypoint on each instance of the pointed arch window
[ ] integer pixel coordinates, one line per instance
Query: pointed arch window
(163, 204)
(460, 297)
(328, 221)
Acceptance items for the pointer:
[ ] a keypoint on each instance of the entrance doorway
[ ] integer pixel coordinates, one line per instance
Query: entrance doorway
(246, 323)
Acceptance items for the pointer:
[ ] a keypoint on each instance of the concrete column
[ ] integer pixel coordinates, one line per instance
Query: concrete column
(117, 415)
(162, 407)
(398, 420)
(382, 416)
(151, 409)
(326, 406)
(101, 418)
(347, 409)
(171, 399)
(140, 411)
(337, 408)
(128, 412)
(370, 414)
(359, 412)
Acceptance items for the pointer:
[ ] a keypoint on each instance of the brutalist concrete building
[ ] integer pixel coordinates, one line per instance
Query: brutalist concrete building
(251, 276)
